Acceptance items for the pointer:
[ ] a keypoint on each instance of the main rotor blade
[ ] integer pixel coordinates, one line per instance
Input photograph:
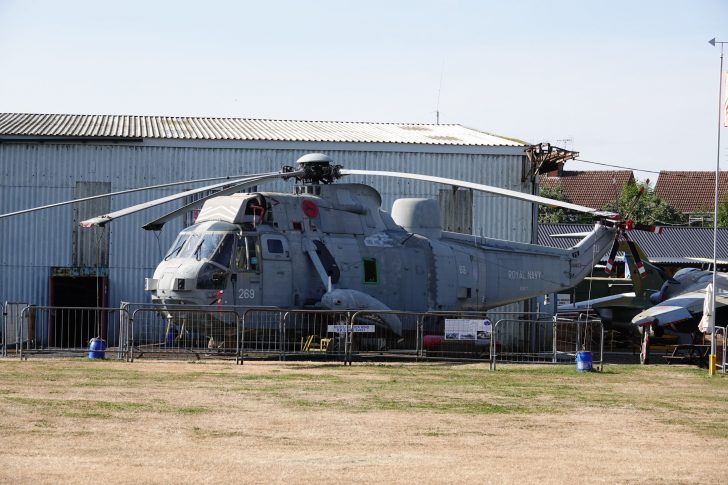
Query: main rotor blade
(121, 192)
(157, 224)
(483, 188)
(102, 220)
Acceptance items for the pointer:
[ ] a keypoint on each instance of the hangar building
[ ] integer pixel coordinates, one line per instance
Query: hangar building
(47, 259)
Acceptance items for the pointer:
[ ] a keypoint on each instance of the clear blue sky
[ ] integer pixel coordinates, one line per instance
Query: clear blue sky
(632, 83)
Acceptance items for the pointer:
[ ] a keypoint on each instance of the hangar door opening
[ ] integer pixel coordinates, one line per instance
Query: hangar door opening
(77, 288)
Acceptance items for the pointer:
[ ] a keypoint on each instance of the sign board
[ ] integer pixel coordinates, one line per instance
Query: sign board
(354, 328)
(463, 329)
(563, 299)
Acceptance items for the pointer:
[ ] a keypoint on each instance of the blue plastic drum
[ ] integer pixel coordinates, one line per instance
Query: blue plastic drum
(584, 361)
(96, 348)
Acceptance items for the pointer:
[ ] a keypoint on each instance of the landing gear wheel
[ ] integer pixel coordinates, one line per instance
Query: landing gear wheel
(645, 350)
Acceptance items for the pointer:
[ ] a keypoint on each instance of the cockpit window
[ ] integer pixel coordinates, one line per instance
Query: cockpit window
(224, 251)
(706, 278)
(215, 246)
(683, 272)
(190, 247)
(177, 245)
(208, 245)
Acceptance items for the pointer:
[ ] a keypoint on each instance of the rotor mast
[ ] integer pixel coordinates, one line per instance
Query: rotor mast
(314, 168)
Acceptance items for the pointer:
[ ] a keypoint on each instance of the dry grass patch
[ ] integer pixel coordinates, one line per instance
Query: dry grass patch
(161, 422)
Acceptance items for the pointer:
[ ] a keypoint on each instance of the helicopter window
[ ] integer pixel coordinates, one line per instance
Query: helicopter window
(190, 246)
(246, 258)
(177, 246)
(224, 251)
(208, 245)
(275, 246)
(370, 270)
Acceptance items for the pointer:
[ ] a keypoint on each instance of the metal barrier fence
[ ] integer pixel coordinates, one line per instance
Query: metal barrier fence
(11, 323)
(555, 340)
(137, 330)
(67, 330)
(175, 330)
(288, 333)
(420, 335)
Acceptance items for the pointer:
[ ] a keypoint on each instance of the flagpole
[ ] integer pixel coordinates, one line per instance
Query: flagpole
(711, 359)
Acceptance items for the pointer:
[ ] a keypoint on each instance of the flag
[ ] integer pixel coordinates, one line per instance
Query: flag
(707, 322)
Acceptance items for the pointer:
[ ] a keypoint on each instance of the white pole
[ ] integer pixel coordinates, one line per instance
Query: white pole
(711, 364)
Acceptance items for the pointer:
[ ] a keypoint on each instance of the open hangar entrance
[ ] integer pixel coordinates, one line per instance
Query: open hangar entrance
(77, 287)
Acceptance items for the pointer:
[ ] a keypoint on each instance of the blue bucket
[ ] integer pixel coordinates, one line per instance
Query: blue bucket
(584, 361)
(96, 348)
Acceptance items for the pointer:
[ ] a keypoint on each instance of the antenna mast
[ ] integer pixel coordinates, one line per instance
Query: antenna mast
(439, 89)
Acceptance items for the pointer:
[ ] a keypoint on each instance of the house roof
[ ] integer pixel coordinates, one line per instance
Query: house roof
(676, 244)
(691, 192)
(595, 188)
(199, 128)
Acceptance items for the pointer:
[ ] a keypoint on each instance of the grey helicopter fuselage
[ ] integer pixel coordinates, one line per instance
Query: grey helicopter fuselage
(330, 245)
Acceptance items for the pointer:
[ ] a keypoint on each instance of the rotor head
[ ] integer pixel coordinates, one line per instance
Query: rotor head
(315, 168)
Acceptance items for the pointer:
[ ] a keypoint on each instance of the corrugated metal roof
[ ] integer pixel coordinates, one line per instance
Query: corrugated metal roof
(676, 244)
(193, 128)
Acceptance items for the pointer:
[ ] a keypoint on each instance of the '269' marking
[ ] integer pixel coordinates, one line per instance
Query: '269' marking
(246, 294)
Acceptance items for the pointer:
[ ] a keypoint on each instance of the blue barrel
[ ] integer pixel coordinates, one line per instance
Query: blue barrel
(96, 348)
(584, 361)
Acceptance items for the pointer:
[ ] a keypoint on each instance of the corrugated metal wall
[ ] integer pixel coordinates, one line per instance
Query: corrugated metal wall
(33, 174)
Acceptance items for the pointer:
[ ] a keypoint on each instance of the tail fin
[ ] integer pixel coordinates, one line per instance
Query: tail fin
(655, 277)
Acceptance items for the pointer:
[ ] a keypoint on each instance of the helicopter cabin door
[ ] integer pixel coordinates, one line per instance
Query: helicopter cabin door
(246, 282)
(276, 271)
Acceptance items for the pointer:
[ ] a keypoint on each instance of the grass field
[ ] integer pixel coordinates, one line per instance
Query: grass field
(182, 422)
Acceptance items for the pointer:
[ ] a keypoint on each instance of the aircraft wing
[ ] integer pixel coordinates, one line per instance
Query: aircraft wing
(619, 300)
(678, 308)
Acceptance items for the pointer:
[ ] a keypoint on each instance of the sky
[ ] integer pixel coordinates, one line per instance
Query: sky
(628, 83)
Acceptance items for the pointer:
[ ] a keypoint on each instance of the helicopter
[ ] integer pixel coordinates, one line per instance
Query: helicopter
(330, 245)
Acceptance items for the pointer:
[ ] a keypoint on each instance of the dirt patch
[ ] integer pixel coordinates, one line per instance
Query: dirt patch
(159, 422)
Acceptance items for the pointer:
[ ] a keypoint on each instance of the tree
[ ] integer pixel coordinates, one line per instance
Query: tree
(645, 209)
(551, 215)
(723, 213)
(558, 215)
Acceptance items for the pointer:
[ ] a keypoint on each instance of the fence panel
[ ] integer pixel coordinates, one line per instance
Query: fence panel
(182, 330)
(11, 326)
(556, 340)
(420, 335)
(284, 333)
(384, 334)
(68, 330)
